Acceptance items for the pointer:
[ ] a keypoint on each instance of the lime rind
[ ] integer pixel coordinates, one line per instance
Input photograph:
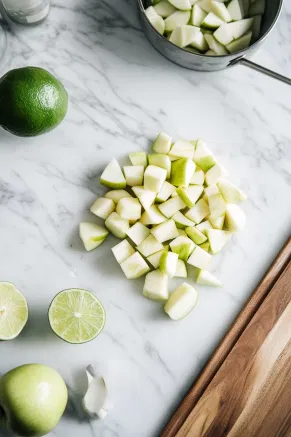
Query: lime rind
(76, 316)
(13, 311)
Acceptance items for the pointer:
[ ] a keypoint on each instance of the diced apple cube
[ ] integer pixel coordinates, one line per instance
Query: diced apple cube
(112, 176)
(103, 207)
(183, 5)
(133, 174)
(122, 251)
(235, 10)
(165, 193)
(181, 221)
(156, 286)
(217, 239)
(177, 19)
(164, 9)
(190, 194)
(165, 231)
(154, 259)
(217, 206)
(230, 192)
(92, 235)
(182, 172)
(168, 263)
(138, 233)
(181, 302)
(181, 270)
(199, 211)
(116, 195)
(154, 178)
(204, 226)
(117, 225)
(138, 158)
(199, 258)
(134, 266)
(161, 160)
(196, 236)
(183, 246)
(149, 246)
(152, 216)
(206, 278)
(202, 156)
(171, 206)
(198, 177)
(215, 173)
(182, 148)
(235, 218)
(146, 197)
(129, 208)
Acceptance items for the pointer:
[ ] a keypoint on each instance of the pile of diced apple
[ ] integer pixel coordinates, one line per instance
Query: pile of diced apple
(210, 27)
(171, 208)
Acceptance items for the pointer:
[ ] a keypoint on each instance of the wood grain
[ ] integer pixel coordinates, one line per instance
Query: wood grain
(251, 353)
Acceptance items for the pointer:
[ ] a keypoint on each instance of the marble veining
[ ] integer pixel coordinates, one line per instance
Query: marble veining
(122, 92)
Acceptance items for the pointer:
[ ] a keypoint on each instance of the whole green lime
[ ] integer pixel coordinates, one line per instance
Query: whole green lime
(32, 101)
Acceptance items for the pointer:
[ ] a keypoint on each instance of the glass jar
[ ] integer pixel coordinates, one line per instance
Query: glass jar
(26, 11)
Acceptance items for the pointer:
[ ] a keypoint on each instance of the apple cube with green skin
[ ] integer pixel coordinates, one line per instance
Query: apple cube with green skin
(205, 5)
(230, 192)
(183, 246)
(168, 263)
(116, 195)
(181, 302)
(217, 206)
(197, 16)
(164, 9)
(183, 5)
(129, 208)
(196, 236)
(204, 226)
(122, 251)
(161, 160)
(112, 176)
(138, 233)
(117, 225)
(34, 398)
(235, 218)
(190, 194)
(205, 246)
(165, 231)
(216, 223)
(214, 45)
(171, 206)
(211, 191)
(206, 278)
(211, 21)
(202, 156)
(224, 34)
(182, 221)
(239, 28)
(182, 148)
(103, 207)
(133, 174)
(240, 44)
(182, 37)
(198, 177)
(92, 235)
(182, 172)
(154, 178)
(181, 270)
(154, 259)
(199, 258)
(149, 246)
(215, 173)
(217, 239)
(134, 266)
(156, 286)
(182, 233)
(177, 19)
(165, 193)
(219, 9)
(199, 211)
(235, 10)
(152, 216)
(138, 158)
(156, 21)
(146, 197)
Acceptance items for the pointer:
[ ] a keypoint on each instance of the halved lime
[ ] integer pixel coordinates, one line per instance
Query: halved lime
(76, 315)
(13, 311)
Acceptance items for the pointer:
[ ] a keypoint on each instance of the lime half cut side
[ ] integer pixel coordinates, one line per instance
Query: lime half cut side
(13, 311)
(76, 315)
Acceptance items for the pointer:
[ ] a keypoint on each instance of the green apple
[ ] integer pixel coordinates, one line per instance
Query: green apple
(164, 9)
(138, 158)
(204, 226)
(103, 207)
(162, 143)
(161, 160)
(202, 156)
(112, 176)
(129, 208)
(138, 233)
(235, 10)
(165, 231)
(154, 259)
(116, 225)
(199, 211)
(154, 178)
(230, 192)
(156, 21)
(190, 194)
(33, 398)
(171, 206)
(156, 286)
(181, 271)
(198, 177)
(181, 221)
(134, 266)
(177, 19)
(240, 44)
(122, 251)
(183, 246)
(149, 246)
(181, 302)
(133, 174)
(196, 236)
(116, 195)
(199, 258)
(166, 191)
(184, 5)
(214, 174)
(92, 235)
(219, 9)
(146, 197)
(168, 263)
(217, 206)
(211, 191)
(235, 218)
(205, 5)
(206, 278)
(182, 172)
(182, 37)
(217, 239)
(211, 21)
(197, 16)
(216, 223)
(152, 216)
(205, 246)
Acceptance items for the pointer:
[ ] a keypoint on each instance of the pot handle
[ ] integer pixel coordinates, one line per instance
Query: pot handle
(263, 70)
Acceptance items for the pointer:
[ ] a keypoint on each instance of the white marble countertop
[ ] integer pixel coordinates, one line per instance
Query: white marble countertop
(122, 93)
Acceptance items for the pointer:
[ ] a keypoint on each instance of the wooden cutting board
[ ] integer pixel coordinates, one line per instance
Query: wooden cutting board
(245, 389)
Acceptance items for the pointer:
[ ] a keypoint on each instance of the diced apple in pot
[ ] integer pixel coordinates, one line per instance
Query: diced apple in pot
(156, 21)
(206, 278)
(134, 266)
(240, 44)
(220, 10)
(211, 21)
(103, 207)
(164, 9)
(117, 225)
(214, 45)
(182, 37)
(235, 10)
(239, 28)
(224, 34)
(168, 263)
(112, 176)
(122, 251)
(156, 286)
(181, 302)
(92, 235)
(183, 5)
(197, 16)
(177, 19)
(205, 5)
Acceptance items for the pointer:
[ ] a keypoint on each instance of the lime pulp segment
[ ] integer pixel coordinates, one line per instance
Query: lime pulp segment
(76, 315)
(13, 311)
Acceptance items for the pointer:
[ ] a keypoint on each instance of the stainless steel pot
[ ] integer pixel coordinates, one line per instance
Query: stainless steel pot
(212, 63)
